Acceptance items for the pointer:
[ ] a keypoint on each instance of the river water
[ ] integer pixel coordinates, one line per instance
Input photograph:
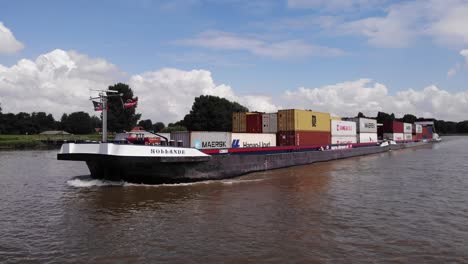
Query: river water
(406, 206)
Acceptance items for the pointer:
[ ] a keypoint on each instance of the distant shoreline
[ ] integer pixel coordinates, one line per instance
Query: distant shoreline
(34, 142)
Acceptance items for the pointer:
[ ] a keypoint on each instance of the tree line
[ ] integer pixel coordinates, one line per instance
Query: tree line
(441, 126)
(208, 113)
(37, 122)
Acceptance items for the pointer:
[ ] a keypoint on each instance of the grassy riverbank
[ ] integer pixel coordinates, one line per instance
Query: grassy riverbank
(34, 141)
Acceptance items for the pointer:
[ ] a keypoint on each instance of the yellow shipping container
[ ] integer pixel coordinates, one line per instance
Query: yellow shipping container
(303, 120)
(335, 118)
(239, 122)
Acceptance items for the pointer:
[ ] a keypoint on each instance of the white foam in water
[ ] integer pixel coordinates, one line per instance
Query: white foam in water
(89, 182)
(80, 183)
(240, 181)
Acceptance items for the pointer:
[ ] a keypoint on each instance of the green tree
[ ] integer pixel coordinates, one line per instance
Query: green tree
(2, 121)
(23, 124)
(43, 121)
(118, 118)
(77, 123)
(360, 114)
(173, 128)
(408, 118)
(146, 124)
(158, 126)
(462, 127)
(211, 113)
(64, 125)
(384, 117)
(96, 122)
(7, 123)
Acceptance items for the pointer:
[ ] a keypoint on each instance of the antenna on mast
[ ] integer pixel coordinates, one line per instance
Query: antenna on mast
(103, 96)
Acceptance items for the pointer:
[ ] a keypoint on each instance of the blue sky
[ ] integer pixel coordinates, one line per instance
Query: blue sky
(259, 48)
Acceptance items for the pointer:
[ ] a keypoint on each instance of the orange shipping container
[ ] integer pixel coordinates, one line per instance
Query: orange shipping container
(303, 120)
(239, 122)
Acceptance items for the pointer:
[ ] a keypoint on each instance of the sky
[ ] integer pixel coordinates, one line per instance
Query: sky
(338, 56)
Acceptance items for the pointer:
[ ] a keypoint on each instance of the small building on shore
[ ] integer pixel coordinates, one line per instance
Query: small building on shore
(54, 132)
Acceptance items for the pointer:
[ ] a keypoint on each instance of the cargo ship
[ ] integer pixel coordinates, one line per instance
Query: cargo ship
(195, 156)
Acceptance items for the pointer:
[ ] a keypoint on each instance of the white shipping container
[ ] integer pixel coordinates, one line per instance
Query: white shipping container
(210, 140)
(367, 137)
(408, 136)
(407, 128)
(343, 139)
(343, 128)
(394, 136)
(202, 139)
(253, 140)
(365, 125)
(418, 128)
(270, 123)
(182, 136)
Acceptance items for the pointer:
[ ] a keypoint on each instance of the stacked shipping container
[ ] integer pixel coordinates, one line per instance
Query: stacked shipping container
(407, 131)
(253, 140)
(303, 127)
(270, 123)
(427, 132)
(417, 132)
(293, 127)
(254, 122)
(393, 130)
(366, 128)
(202, 139)
(239, 122)
(343, 132)
(220, 140)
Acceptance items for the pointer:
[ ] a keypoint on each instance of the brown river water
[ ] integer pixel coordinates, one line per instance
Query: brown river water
(406, 206)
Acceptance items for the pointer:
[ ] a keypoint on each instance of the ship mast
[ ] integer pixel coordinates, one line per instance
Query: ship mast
(103, 96)
(104, 117)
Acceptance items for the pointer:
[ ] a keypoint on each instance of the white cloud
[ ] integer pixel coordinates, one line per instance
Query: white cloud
(57, 82)
(459, 66)
(443, 21)
(8, 42)
(168, 94)
(381, 32)
(279, 50)
(60, 81)
(464, 53)
(453, 71)
(450, 23)
(349, 98)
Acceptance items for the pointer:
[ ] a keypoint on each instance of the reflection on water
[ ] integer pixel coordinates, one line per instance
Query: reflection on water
(403, 206)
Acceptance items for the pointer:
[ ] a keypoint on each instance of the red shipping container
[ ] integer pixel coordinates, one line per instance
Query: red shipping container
(393, 127)
(254, 123)
(303, 138)
(426, 133)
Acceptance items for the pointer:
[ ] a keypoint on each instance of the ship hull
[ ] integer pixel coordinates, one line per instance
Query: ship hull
(156, 170)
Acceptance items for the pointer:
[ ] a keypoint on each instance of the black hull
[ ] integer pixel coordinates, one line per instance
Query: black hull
(153, 171)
